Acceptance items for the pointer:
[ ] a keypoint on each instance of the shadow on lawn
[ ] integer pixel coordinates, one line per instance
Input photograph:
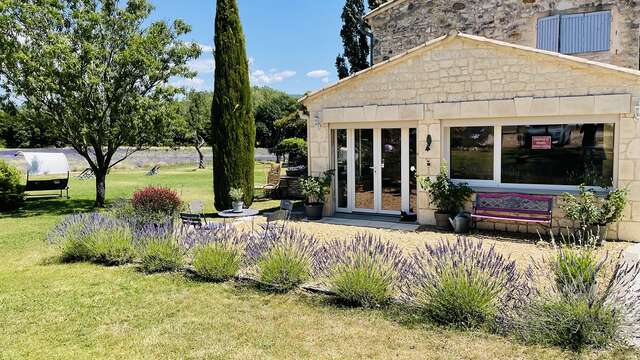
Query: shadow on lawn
(50, 206)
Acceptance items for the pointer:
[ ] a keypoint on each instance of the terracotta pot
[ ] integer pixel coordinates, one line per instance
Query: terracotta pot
(314, 211)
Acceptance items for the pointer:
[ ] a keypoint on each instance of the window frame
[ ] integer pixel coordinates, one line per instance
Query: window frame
(497, 124)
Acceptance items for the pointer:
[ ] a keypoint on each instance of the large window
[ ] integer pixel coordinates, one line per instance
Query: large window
(550, 155)
(558, 154)
(472, 153)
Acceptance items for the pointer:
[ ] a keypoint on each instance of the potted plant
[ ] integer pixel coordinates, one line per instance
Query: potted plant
(236, 196)
(593, 214)
(446, 196)
(314, 190)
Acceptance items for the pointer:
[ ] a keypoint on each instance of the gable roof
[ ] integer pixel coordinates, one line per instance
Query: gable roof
(382, 8)
(495, 43)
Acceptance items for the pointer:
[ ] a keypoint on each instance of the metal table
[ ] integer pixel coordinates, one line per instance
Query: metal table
(230, 214)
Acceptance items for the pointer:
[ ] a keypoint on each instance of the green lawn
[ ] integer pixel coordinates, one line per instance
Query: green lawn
(82, 311)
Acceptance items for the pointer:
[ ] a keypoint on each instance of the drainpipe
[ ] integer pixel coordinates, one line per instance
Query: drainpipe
(372, 39)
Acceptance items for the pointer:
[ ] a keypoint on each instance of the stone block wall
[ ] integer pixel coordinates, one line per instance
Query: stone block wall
(464, 79)
(414, 22)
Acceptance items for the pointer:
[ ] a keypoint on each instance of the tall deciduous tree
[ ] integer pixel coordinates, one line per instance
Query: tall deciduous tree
(96, 69)
(355, 38)
(197, 114)
(233, 130)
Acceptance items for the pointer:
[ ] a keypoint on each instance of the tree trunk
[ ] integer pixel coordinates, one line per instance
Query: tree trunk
(101, 188)
(200, 157)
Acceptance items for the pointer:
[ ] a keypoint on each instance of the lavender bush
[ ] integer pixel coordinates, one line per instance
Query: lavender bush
(283, 259)
(94, 237)
(161, 255)
(218, 254)
(582, 301)
(364, 271)
(464, 284)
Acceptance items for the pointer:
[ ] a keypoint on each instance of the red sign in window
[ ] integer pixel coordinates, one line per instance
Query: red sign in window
(541, 142)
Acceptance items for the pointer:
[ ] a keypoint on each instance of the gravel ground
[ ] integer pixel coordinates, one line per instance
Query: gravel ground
(523, 251)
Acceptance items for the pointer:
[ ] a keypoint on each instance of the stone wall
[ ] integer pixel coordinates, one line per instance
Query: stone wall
(502, 82)
(414, 22)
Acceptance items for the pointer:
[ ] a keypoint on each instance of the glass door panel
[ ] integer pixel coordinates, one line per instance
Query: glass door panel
(391, 166)
(413, 181)
(364, 169)
(341, 165)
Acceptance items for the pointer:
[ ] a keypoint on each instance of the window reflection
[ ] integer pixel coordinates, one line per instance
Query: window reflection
(564, 154)
(471, 153)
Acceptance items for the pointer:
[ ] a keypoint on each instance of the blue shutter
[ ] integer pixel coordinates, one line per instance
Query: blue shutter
(597, 31)
(548, 33)
(586, 32)
(571, 34)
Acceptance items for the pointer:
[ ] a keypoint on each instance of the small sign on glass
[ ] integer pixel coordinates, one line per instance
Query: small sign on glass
(541, 142)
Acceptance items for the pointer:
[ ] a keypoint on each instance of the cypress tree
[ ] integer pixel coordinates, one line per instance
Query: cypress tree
(233, 133)
(354, 37)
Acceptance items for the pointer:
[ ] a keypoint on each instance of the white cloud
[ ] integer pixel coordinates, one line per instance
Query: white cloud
(318, 74)
(202, 66)
(194, 83)
(261, 77)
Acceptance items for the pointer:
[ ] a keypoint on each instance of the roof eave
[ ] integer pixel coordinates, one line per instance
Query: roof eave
(382, 8)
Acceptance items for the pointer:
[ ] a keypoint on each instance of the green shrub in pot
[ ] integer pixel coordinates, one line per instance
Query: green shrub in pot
(592, 213)
(314, 189)
(446, 196)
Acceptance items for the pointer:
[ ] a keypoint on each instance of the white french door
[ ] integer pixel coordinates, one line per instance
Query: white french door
(373, 170)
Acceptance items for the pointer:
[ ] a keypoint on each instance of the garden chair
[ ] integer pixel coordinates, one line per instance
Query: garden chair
(86, 174)
(287, 205)
(273, 218)
(197, 207)
(273, 178)
(154, 171)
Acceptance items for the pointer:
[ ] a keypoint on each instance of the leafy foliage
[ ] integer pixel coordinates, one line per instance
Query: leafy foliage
(296, 148)
(232, 116)
(365, 271)
(447, 196)
(590, 210)
(315, 188)
(196, 130)
(11, 189)
(354, 38)
(275, 116)
(21, 127)
(156, 200)
(96, 70)
(465, 285)
(236, 194)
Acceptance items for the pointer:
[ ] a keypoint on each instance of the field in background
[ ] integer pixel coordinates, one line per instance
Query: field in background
(162, 156)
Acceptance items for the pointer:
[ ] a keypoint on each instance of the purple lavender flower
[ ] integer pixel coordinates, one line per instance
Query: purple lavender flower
(444, 276)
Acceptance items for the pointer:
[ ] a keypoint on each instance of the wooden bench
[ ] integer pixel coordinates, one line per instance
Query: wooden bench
(524, 208)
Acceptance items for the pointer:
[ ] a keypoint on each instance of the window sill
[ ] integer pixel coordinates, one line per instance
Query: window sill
(530, 191)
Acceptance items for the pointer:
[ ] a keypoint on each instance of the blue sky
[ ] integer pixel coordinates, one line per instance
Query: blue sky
(291, 44)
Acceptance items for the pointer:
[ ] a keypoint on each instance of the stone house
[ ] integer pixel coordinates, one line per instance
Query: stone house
(482, 106)
(401, 25)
